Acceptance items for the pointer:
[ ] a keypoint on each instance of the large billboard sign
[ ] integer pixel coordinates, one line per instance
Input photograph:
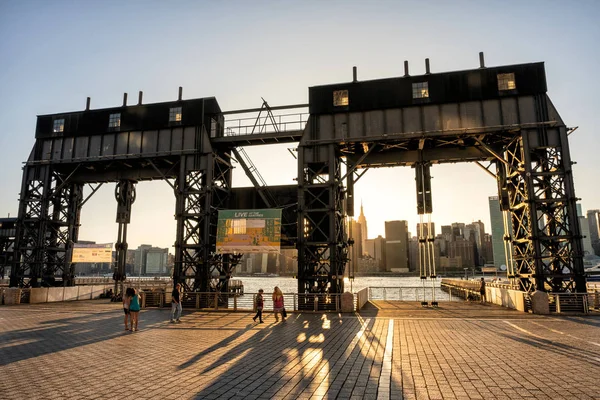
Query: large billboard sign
(249, 231)
(92, 253)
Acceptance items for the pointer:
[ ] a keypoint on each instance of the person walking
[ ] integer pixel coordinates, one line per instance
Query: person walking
(126, 301)
(482, 290)
(176, 304)
(134, 309)
(259, 301)
(278, 306)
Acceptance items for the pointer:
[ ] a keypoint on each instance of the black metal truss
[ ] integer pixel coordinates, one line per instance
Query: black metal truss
(322, 243)
(47, 227)
(547, 248)
(200, 193)
(535, 185)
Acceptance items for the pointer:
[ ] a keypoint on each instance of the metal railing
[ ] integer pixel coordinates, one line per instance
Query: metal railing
(252, 126)
(246, 302)
(418, 293)
(568, 302)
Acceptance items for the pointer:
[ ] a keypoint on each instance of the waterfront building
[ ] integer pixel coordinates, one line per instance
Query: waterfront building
(413, 254)
(396, 246)
(447, 232)
(379, 252)
(369, 248)
(497, 229)
(585, 232)
(156, 261)
(593, 217)
(464, 249)
(356, 250)
(362, 220)
(149, 260)
(475, 231)
(458, 230)
(487, 249)
(450, 264)
(594, 224)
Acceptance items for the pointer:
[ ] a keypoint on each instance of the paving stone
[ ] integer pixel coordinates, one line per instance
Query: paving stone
(80, 350)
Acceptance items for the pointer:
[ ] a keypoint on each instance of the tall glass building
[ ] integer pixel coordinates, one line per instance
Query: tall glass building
(497, 229)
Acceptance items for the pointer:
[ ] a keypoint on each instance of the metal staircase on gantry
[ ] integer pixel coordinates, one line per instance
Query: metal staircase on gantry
(255, 177)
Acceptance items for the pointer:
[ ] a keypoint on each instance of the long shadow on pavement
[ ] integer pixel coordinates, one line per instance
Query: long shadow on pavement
(67, 334)
(287, 358)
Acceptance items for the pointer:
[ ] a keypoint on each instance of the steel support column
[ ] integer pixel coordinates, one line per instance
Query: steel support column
(47, 227)
(200, 193)
(125, 195)
(546, 237)
(322, 244)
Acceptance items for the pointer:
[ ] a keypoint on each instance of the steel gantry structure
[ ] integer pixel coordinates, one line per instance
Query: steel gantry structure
(499, 117)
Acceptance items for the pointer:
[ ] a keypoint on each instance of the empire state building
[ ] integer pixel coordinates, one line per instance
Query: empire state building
(363, 228)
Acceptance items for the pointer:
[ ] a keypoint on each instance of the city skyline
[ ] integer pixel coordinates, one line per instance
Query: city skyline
(88, 52)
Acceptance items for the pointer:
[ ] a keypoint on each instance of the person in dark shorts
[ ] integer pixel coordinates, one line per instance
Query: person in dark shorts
(176, 304)
(126, 301)
(482, 290)
(260, 302)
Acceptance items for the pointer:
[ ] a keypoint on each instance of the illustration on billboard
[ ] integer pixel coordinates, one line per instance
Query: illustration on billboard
(92, 253)
(249, 231)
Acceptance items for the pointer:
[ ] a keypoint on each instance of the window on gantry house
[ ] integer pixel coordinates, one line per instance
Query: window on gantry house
(59, 125)
(340, 98)
(506, 82)
(114, 121)
(175, 114)
(420, 90)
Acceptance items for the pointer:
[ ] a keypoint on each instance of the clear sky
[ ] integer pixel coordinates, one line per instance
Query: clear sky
(53, 54)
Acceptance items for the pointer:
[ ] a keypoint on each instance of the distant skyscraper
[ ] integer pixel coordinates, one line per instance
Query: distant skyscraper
(380, 252)
(447, 232)
(585, 232)
(594, 224)
(476, 230)
(357, 249)
(140, 259)
(156, 261)
(458, 230)
(396, 246)
(497, 229)
(464, 249)
(413, 254)
(488, 249)
(593, 217)
(362, 220)
(150, 260)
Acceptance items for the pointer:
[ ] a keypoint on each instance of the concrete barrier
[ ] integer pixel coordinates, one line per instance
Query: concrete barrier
(508, 298)
(71, 293)
(362, 296)
(56, 294)
(97, 290)
(347, 300)
(12, 296)
(85, 293)
(38, 295)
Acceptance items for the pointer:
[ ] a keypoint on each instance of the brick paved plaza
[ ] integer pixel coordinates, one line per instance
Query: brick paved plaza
(79, 350)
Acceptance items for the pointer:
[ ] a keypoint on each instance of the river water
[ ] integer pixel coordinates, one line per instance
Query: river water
(381, 288)
(290, 285)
